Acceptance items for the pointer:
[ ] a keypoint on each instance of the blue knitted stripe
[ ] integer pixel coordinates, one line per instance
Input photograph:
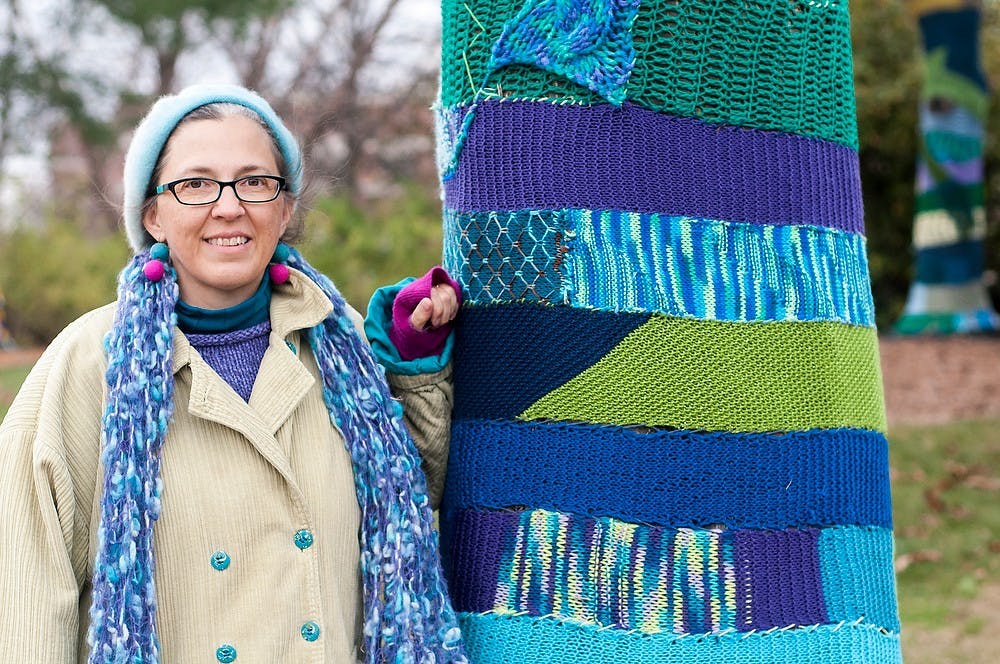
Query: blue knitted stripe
(698, 268)
(950, 264)
(522, 639)
(666, 579)
(805, 478)
(519, 342)
(542, 156)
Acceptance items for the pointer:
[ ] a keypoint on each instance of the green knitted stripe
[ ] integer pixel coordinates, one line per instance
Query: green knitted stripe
(775, 65)
(951, 196)
(718, 376)
(939, 81)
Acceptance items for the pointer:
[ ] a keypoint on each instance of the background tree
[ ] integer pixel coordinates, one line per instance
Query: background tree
(947, 295)
(888, 77)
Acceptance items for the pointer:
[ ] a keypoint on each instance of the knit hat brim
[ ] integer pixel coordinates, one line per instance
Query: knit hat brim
(155, 129)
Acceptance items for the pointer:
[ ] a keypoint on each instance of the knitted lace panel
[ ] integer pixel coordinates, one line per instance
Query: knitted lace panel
(772, 65)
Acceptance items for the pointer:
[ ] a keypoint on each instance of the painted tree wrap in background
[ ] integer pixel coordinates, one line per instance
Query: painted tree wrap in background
(668, 437)
(947, 295)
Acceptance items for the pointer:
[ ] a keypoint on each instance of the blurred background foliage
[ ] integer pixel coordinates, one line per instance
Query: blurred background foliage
(375, 216)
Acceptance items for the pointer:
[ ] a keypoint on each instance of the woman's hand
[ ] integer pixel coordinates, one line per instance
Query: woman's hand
(437, 310)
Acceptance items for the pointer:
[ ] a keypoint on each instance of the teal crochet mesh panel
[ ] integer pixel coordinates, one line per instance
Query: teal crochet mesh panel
(754, 64)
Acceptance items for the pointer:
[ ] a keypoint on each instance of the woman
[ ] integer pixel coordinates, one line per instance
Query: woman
(243, 414)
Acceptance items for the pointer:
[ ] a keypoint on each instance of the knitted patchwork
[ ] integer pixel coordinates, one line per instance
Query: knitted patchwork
(717, 270)
(508, 256)
(778, 66)
(697, 268)
(674, 372)
(649, 163)
(950, 222)
(931, 199)
(536, 349)
(653, 579)
(938, 229)
(950, 264)
(765, 480)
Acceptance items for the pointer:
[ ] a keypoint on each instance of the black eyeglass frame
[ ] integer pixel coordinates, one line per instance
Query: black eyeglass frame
(171, 187)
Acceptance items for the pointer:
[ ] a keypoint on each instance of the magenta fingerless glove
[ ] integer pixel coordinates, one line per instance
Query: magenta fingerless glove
(410, 343)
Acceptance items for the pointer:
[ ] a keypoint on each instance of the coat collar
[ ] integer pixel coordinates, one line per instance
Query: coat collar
(282, 381)
(298, 304)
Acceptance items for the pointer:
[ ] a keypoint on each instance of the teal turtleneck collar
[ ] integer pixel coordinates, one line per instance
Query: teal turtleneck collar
(248, 313)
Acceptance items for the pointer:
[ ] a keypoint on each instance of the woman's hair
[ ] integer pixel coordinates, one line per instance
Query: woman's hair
(219, 111)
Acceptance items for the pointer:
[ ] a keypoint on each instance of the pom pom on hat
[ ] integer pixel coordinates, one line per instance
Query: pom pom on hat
(154, 130)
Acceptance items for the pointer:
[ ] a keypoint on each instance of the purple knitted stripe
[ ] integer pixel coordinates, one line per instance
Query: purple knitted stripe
(779, 577)
(474, 546)
(542, 156)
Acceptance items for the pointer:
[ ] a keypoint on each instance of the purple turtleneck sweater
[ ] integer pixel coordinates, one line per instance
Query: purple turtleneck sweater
(235, 355)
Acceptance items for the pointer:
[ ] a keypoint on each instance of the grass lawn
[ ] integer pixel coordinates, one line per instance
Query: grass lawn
(10, 381)
(946, 503)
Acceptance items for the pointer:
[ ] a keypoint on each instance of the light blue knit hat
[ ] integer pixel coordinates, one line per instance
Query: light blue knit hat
(155, 129)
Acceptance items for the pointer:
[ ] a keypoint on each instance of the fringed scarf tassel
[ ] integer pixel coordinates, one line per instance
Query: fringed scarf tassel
(140, 404)
(408, 616)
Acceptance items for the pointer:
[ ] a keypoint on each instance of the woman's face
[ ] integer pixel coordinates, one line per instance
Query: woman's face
(220, 250)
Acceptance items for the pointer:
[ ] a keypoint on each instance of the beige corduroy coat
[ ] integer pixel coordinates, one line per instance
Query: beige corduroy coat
(240, 481)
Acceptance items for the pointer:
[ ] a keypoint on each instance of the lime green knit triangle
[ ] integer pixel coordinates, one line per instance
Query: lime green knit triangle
(718, 376)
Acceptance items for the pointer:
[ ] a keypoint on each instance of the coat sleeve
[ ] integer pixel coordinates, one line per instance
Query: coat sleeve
(39, 618)
(423, 385)
(427, 403)
(48, 465)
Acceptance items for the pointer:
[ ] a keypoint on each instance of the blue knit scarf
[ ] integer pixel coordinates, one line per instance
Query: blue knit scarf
(408, 617)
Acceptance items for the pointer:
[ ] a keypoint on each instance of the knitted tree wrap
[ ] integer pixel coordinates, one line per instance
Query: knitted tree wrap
(948, 295)
(668, 436)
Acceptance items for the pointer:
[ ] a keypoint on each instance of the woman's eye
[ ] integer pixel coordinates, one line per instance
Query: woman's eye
(253, 182)
(193, 184)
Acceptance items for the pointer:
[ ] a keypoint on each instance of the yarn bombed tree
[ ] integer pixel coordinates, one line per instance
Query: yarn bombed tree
(948, 295)
(668, 436)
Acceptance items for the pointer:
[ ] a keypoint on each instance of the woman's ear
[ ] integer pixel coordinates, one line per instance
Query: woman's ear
(151, 221)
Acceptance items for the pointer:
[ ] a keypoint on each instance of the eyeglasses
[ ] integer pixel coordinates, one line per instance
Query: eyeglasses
(202, 191)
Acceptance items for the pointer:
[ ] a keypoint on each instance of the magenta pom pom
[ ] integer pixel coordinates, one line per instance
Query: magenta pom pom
(153, 269)
(279, 273)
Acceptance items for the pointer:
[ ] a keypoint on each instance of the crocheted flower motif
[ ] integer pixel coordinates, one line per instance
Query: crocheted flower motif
(587, 41)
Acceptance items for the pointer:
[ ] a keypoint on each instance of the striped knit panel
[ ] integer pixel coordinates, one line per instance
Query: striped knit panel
(668, 434)
(948, 295)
